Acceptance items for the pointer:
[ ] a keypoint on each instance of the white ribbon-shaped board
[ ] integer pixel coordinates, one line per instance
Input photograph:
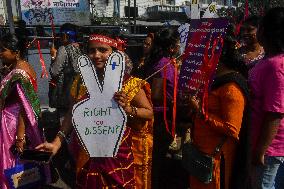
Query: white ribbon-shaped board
(98, 120)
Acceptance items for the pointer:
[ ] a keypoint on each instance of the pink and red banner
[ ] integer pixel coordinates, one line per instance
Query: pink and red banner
(201, 56)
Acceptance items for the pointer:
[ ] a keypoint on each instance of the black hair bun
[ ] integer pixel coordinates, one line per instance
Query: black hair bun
(10, 41)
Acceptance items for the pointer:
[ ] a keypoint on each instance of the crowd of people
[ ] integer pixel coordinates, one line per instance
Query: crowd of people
(243, 128)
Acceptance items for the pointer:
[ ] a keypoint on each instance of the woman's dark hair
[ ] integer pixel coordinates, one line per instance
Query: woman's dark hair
(231, 57)
(164, 40)
(11, 42)
(68, 26)
(71, 30)
(272, 27)
(252, 21)
(40, 30)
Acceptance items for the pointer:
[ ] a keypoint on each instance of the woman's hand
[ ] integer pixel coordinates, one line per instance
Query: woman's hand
(53, 52)
(122, 99)
(194, 103)
(258, 159)
(50, 147)
(19, 145)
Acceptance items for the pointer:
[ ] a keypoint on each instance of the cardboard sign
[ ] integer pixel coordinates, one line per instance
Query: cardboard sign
(203, 35)
(98, 120)
(37, 12)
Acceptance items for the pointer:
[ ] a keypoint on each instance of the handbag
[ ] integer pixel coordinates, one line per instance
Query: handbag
(199, 164)
(24, 175)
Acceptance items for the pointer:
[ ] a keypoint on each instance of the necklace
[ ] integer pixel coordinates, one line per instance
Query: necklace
(259, 55)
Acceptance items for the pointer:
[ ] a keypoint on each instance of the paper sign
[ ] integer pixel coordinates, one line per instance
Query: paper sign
(37, 12)
(98, 120)
(202, 33)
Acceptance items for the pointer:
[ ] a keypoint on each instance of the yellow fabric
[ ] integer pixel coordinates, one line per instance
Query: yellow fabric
(142, 141)
(76, 93)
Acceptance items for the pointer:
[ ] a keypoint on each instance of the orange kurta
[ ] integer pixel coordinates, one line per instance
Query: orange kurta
(226, 106)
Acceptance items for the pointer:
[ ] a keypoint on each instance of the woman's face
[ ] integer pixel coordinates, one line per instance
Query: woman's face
(64, 39)
(249, 35)
(147, 45)
(175, 49)
(7, 56)
(99, 53)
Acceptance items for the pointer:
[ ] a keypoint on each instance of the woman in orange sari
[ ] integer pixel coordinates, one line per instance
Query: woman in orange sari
(227, 102)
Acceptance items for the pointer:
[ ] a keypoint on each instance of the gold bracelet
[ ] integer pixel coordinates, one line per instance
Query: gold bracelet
(133, 112)
(18, 139)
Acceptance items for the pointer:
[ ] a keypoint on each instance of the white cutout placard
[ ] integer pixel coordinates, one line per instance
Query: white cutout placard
(98, 120)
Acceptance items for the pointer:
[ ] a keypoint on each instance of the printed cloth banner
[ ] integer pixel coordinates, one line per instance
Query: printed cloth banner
(205, 36)
(37, 12)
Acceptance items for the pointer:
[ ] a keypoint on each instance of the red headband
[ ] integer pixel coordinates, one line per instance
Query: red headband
(118, 43)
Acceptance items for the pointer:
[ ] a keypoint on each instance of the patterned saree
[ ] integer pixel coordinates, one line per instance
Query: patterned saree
(17, 94)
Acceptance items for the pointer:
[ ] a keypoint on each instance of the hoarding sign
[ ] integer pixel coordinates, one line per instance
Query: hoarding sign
(38, 12)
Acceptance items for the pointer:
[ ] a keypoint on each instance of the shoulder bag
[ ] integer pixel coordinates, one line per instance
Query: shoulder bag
(199, 164)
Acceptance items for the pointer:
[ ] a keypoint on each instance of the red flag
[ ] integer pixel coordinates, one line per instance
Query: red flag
(238, 28)
(44, 73)
(173, 131)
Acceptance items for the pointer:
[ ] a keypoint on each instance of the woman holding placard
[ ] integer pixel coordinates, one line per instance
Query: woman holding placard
(134, 98)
